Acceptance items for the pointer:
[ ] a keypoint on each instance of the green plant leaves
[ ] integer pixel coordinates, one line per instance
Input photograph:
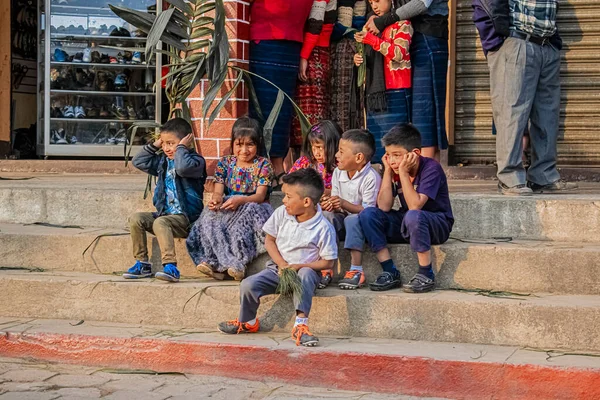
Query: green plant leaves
(183, 6)
(158, 28)
(223, 101)
(270, 123)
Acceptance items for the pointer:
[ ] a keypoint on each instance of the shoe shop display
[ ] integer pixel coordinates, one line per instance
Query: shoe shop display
(98, 82)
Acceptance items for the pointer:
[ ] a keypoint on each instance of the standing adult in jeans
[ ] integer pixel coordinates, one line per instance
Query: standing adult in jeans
(276, 37)
(429, 61)
(523, 52)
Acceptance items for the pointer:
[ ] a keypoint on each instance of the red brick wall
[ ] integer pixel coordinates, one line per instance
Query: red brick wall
(213, 142)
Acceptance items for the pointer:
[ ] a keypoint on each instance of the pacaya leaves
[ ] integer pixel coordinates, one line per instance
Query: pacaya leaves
(289, 283)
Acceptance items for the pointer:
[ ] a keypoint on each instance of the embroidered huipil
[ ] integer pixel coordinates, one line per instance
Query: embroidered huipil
(394, 44)
(304, 162)
(243, 180)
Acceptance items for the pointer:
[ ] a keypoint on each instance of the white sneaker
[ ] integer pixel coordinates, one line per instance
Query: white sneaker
(79, 112)
(61, 137)
(68, 112)
(87, 55)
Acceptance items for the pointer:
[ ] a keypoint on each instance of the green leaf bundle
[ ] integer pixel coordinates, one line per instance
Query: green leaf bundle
(289, 283)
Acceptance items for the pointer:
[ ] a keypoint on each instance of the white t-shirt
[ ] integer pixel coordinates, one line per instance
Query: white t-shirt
(362, 189)
(302, 242)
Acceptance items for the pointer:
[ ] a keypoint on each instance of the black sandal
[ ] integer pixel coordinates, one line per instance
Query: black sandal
(277, 188)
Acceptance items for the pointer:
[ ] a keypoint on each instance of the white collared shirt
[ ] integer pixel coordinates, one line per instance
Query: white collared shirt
(302, 242)
(362, 189)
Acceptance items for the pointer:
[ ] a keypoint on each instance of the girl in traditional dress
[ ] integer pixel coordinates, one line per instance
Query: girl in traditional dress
(228, 235)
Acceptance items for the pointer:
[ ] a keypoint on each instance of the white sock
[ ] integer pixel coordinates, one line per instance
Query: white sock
(252, 322)
(356, 268)
(301, 321)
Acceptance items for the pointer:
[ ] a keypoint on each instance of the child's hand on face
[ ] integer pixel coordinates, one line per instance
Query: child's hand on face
(360, 36)
(188, 140)
(158, 143)
(358, 59)
(233, 203)
(386, 162)
(408, 162)
(215, 202)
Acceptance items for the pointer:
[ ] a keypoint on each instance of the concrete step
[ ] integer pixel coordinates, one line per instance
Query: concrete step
(107, 200)
(542, 321)
(441, 370)
(518, 266)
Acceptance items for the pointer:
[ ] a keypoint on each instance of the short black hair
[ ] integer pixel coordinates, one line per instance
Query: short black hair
(246, 127)
(403, 135)
(309, 181)
(177, 126)
(363, 140)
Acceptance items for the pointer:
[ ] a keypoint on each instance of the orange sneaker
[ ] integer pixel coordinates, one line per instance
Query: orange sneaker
(352, 280)
(234, 327)
(326, 277)
(303, 337)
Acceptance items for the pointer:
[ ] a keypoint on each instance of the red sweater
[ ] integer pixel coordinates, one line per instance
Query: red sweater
(319, 26)
(394, 44)
(279, 19)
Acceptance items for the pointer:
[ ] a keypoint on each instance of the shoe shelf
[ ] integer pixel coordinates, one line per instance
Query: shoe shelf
(92, 86)
(100, 120)
(98, 38)
(99, 93)
(99, 65)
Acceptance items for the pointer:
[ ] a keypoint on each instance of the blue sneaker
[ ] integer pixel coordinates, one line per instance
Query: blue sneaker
(60, 55)
(170, 273)
(139, 270)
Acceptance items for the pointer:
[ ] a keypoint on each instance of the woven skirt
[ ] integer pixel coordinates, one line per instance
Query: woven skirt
(429, 57)
(277, 61)
(312, 96)
(398, 111)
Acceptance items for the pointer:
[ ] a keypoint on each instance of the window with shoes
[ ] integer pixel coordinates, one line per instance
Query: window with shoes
(95, 82)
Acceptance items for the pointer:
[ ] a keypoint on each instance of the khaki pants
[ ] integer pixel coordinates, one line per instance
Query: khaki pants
(166, 228)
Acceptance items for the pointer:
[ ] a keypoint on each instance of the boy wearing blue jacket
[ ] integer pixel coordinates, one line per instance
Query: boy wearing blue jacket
(178, 195)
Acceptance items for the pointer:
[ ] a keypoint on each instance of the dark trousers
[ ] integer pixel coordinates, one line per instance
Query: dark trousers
(265, 282)
(419, 228)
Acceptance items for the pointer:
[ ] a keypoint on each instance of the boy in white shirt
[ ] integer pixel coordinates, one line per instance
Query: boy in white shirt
(298, 237)
(354, 187)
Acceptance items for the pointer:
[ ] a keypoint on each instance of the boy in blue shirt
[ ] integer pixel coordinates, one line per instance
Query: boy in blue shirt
(178, 195)
(425, 217)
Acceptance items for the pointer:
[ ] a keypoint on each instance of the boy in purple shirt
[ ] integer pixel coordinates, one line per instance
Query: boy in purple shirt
(425, 217)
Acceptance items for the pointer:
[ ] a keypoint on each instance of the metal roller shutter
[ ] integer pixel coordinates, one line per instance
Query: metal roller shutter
(579, 143)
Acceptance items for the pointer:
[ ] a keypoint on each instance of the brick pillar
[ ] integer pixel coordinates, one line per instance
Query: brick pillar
(214, 142)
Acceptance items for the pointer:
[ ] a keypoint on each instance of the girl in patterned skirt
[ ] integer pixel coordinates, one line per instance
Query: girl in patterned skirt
(318, 152)
(228, 235)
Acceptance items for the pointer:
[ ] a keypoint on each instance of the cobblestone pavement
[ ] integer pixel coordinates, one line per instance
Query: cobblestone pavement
(25, 380)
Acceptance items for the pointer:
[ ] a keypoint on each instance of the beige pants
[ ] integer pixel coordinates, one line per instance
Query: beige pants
(165, 228)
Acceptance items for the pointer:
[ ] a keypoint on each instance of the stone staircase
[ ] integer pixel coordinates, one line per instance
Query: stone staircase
(518, 272)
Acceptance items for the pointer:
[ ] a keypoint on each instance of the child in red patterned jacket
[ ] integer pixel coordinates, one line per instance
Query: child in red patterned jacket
(388, 83)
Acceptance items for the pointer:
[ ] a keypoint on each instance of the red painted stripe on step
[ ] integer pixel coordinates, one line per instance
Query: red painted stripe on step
(313, 367)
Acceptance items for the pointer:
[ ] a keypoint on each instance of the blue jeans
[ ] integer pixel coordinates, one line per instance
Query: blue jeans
(348, 229)
(419, 228)
(265, 282)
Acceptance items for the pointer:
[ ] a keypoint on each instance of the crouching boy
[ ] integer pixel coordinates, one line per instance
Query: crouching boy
(298, 237)
(178, 195)
(425, 217)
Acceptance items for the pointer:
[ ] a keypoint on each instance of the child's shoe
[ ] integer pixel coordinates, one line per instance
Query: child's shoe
(419, 284)
(326, 277)
(303, 337)
(205, 269)
(353, 279)
(386, 281)
(236, 274)
(170, 273)
(139, 270)
(234, 327)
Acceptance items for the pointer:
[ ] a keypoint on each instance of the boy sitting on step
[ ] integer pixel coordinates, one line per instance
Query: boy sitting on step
(425, 217)
(178, 195)
(354, 188)
(298, 237)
